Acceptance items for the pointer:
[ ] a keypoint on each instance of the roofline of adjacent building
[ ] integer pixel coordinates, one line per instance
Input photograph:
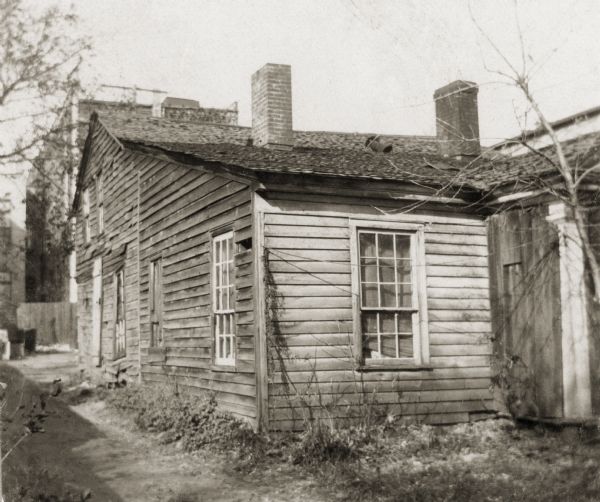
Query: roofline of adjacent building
(540, 131)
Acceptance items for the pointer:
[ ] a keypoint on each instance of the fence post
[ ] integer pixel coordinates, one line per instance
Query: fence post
(2, 406)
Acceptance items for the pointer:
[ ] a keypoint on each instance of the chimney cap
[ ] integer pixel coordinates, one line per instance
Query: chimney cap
(456, 87)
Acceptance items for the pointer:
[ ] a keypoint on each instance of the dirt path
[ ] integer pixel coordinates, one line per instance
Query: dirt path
(90, 446)
(140, 469)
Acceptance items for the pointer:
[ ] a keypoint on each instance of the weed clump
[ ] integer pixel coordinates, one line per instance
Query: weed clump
(193, 421)
(320, 444)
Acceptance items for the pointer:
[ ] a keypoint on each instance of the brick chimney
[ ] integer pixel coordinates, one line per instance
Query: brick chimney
(457, 119)
(272, 106)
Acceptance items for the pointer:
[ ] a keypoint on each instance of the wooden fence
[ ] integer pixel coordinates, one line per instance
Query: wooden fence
(53, 322)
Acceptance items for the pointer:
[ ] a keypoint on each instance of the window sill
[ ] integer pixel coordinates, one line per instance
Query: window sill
(392, 365)
(224, 367)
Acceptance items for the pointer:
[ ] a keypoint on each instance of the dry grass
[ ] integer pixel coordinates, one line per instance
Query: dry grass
(492, 460)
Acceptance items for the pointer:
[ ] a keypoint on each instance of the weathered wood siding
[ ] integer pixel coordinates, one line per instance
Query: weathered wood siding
(179, 209)
(118, 247)
(309, 319)
(54, 322)
(594, 231)
(529, 329)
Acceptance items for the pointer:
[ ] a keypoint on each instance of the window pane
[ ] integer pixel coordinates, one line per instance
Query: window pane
(402, 246)
(386, 245)
(217, 275)
(370, 346)
(387, 322)
(231, 298)
(227, 345)
(367, 244)
(368, 270)
(403, 271)
(369, 322)
(388, 295)
(404, 295)
(221, 351)
(388, 345)
(386, 270)
(230, 249)
(231, 273)
(405, 323)
(405, 346)
(217, 251)
(369, 295)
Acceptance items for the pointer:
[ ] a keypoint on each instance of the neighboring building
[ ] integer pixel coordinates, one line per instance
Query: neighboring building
(567, 128)
(12, 262)
(295, 274)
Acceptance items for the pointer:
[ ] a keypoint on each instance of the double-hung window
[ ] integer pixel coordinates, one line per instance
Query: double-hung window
(86, 216)
(223, 298)
(390, 305)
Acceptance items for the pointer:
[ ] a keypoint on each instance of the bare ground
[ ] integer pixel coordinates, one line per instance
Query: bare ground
(88, 446)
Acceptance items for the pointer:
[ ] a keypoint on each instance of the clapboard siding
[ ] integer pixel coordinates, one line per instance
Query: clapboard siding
(117, 245)
(179, 209)
(157, 208)
(307, 245)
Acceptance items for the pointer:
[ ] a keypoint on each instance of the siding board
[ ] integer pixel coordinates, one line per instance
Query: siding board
(310, 275)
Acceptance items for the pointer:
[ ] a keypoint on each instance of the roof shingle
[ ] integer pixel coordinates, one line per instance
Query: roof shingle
(414, 159)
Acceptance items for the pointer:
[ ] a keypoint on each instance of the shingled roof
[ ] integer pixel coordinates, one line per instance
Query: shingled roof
(581, 153)
(414, 158)
(161, 130)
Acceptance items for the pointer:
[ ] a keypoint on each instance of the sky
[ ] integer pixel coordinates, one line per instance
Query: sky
(357, 65)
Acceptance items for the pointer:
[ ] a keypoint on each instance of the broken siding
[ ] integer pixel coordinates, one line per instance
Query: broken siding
(179, 209)
(117, 246)
(307, 242)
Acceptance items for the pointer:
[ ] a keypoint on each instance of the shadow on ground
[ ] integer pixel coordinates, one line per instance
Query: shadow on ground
(45, 462)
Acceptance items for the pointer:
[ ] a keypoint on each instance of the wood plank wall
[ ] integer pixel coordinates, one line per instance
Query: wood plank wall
(117, 246)
(169, 211)
(594, 232)
(310, 302)
(179, 208)
(524, 237)
(54, 322)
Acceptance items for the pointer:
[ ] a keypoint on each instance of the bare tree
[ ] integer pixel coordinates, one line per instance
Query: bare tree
(41, 55)
(572, 174)
(40, 59)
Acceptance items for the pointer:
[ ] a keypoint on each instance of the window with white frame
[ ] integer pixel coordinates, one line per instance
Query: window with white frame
(86, 215)
(391, 304)
(100, 202)
(223, 298)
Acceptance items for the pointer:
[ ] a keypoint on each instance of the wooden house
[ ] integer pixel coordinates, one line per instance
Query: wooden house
(294, 274)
